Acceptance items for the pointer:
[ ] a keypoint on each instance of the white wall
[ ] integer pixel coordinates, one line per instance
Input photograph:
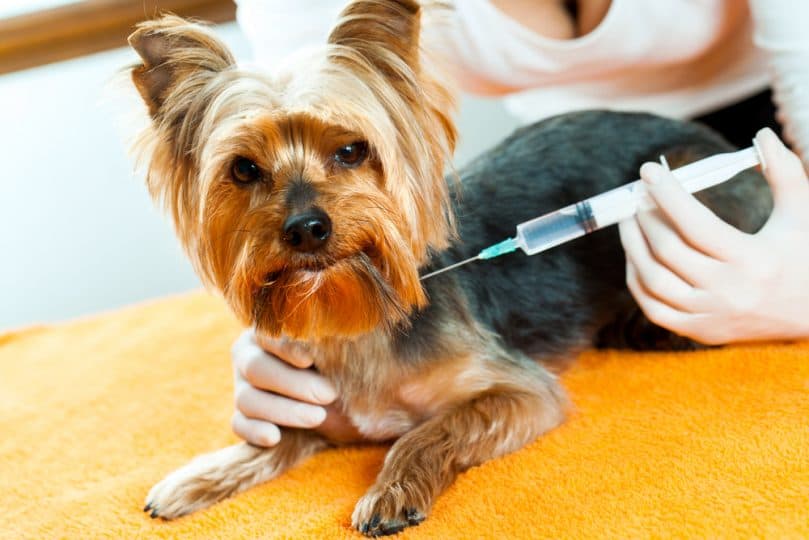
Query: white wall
(78, 233)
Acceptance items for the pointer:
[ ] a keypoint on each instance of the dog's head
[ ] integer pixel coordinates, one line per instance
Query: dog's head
(310, 197)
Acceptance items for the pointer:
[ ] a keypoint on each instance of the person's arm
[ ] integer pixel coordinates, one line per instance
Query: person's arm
(780, 30)
(694, 274)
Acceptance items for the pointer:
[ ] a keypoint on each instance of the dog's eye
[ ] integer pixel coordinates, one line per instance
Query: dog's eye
(351, 155)
(245, 171)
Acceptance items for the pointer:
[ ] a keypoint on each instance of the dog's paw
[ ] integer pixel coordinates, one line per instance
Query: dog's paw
(204, 481)
(388, 510)
(182, 492)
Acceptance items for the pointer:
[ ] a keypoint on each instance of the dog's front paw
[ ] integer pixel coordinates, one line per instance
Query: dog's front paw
(184, 491)
(388, 510)
(208, 479)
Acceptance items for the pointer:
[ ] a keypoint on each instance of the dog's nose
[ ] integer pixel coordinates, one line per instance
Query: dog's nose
(307, 231)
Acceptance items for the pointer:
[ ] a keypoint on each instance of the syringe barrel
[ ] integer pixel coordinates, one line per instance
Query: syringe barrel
(555, 228)
(623, 202)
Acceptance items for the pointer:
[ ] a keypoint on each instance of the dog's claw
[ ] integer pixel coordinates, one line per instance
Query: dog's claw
(413, 516)
(376, 527)
(153, 514)
(369, 526)
(391, 529)
(381, 512)
(147, 507)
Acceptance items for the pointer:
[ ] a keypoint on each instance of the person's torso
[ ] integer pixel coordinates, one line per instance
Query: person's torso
(674, 57)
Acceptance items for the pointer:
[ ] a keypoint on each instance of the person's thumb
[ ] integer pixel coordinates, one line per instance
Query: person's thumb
(784, 172)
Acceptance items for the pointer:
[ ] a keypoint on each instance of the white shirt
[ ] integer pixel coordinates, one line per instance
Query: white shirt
(677, 58)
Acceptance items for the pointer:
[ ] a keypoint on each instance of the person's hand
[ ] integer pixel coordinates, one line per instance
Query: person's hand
(275, 387)
(697, 276)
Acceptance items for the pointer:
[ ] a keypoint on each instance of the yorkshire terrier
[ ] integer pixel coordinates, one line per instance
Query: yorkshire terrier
(312, 199)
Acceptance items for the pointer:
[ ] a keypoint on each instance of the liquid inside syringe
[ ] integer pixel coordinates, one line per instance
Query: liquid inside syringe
(611, 207)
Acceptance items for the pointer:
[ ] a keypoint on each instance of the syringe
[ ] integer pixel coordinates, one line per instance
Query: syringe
(613, 206)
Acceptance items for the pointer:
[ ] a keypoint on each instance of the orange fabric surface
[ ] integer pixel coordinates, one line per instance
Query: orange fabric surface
(93, 412)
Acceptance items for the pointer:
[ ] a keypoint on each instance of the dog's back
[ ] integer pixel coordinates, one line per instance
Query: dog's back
(574, 295)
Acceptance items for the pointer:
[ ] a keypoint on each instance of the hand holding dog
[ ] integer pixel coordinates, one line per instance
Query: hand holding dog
(274, 386)
(271, 392)
(692, 273)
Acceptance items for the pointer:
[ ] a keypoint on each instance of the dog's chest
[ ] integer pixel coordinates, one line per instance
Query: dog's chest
(382, 425)
(383, 409)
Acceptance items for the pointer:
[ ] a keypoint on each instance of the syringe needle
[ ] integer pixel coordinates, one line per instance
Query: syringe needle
(495, 250)
(450, 267)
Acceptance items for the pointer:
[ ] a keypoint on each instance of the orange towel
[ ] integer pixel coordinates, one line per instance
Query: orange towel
(93, 412)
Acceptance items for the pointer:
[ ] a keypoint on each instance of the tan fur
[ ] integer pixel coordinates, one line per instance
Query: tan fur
(426, 460)
(209, 478)
(210, 110)
(450, 408)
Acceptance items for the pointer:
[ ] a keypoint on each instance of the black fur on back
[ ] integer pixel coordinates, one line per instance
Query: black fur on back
(554, 303)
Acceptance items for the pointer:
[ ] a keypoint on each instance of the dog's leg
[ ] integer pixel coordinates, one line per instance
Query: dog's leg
(212, 477)
(426, 460)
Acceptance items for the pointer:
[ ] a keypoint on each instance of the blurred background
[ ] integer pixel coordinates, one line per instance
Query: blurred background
(78, 233)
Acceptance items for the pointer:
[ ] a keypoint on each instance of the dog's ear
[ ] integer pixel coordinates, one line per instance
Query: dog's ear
(383, 31)
(378, 42)
(176, 54)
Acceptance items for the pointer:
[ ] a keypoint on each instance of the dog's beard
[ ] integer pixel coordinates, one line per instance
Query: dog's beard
(347, 298)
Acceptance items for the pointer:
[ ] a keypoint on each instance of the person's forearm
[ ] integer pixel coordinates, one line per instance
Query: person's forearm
(781, 31)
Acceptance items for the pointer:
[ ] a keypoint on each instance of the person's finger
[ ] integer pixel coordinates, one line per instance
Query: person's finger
(260, 405)
(656, 311)
(700, 227)
(245, 339)
(255, 432)
(267, 372)
(669, 248)
(656, 279)
(784, 172)
(242, 350)
(288, 351)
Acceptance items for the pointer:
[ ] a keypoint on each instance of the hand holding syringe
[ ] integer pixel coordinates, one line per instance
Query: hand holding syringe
(611, 207)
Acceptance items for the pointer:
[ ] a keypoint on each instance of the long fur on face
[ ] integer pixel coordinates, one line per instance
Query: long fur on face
(369, 83)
